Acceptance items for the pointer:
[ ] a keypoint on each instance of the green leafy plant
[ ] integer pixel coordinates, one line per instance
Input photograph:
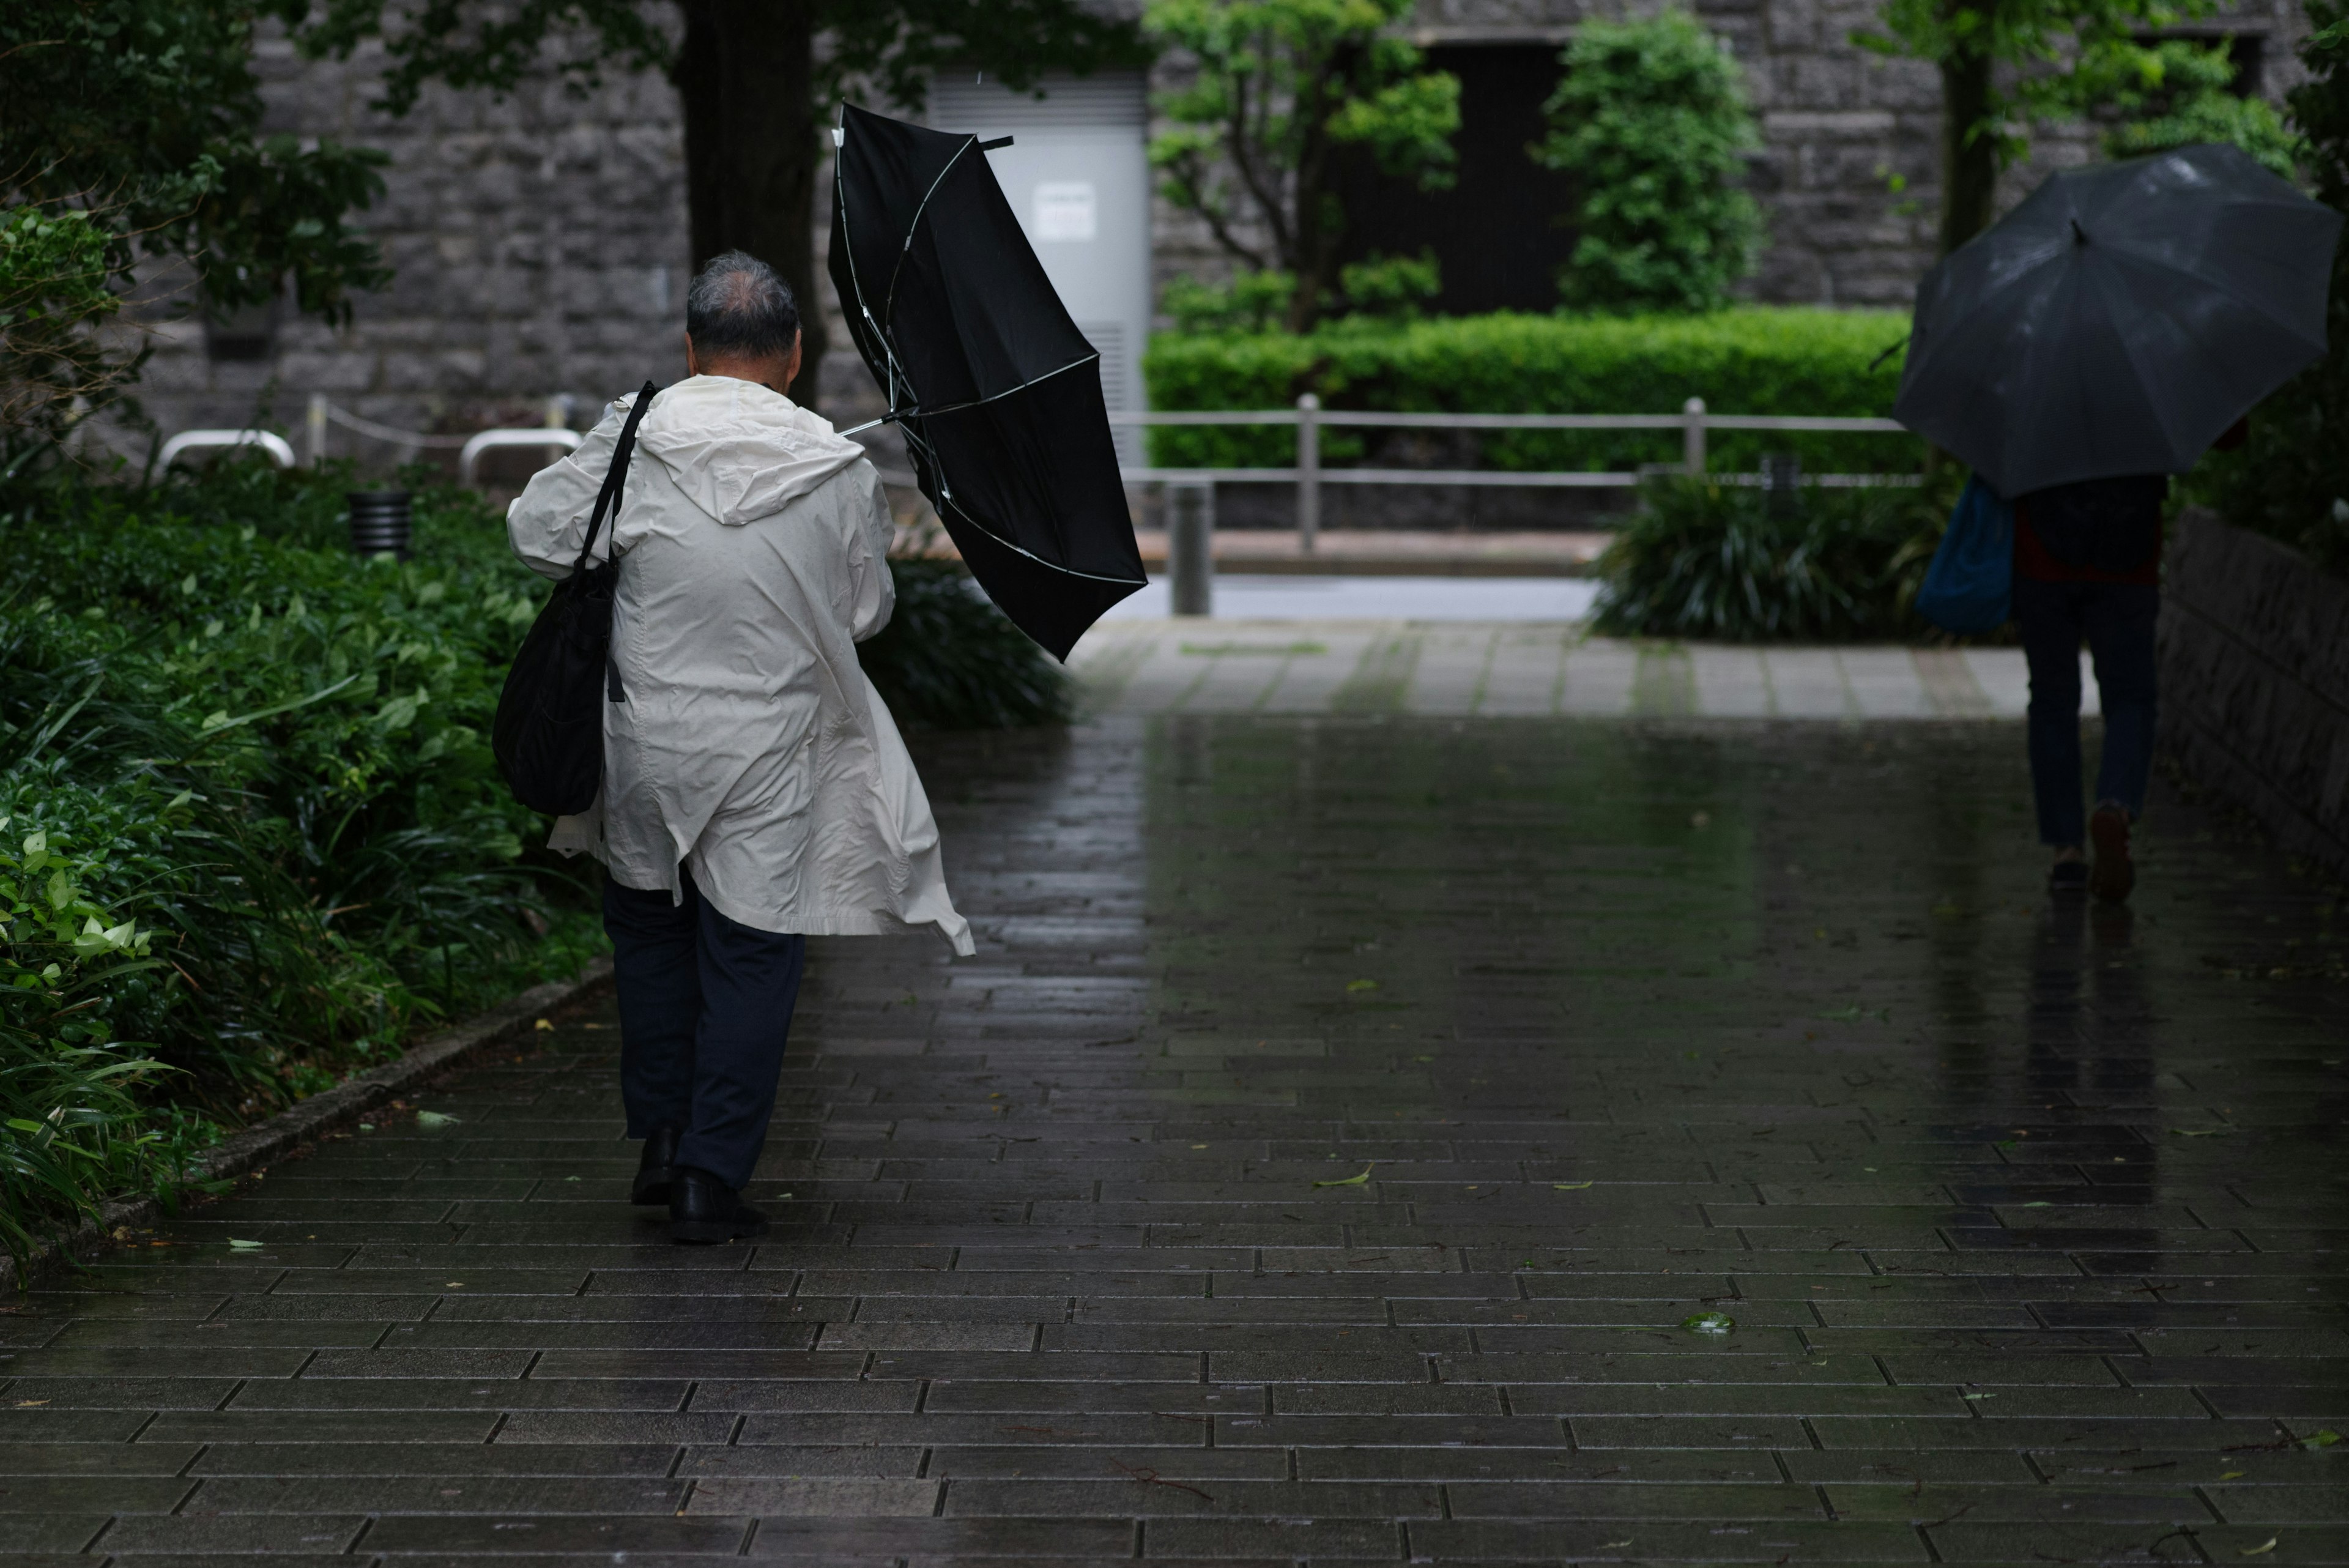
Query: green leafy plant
(1652, 120)
(1750, 360)
(1283, 89)
(2290, 478)
(1709, 561)
(53, 297)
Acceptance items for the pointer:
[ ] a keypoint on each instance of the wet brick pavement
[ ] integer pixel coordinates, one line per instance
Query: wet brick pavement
(1322, 1162)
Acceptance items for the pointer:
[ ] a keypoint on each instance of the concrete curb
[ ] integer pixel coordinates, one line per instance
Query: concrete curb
(302, 1123)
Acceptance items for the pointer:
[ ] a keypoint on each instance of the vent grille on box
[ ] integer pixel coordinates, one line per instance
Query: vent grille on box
(1112, 100)
(1108, 338)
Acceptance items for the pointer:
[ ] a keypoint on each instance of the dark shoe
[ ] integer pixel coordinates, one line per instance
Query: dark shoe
(2115, 873)
(652, 1172)
(2068, 877)
(703, 1209)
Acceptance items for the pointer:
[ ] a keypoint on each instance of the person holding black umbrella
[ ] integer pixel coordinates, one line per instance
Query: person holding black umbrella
(755, 790)
(2094, 341)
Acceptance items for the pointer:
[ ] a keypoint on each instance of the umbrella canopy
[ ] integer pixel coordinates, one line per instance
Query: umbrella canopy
(2119, 320)
(998, 394)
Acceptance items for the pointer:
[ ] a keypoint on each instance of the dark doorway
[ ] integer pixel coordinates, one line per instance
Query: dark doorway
(1495, 232)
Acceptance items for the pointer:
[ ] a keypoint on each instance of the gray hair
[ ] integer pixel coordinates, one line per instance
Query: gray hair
(739, 307)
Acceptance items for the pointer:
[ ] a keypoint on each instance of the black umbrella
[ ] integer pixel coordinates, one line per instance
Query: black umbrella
(998, 393)
(2119, 320)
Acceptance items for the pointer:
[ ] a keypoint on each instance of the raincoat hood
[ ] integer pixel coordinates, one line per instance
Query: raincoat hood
(739, 450)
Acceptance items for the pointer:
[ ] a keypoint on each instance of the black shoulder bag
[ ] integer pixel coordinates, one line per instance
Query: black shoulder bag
(548, 730)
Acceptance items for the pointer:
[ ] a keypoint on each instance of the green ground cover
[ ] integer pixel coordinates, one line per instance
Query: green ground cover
(251, 835)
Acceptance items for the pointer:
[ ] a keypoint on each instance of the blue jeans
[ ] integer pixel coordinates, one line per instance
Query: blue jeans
(705, 1009)
(2116, 620)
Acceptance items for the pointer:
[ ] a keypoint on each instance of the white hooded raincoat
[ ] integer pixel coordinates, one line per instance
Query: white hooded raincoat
(751, 749)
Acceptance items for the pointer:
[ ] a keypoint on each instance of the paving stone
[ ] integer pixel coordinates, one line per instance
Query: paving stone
(90, 1494)
(492, 1535)
(425, 1459)
(1054, 1284)
(232, 1534)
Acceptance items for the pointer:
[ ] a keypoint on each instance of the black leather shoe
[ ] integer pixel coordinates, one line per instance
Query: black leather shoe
(703, 1209)
(652, 1172)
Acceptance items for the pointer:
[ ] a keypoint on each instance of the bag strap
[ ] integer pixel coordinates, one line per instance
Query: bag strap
(608, 498)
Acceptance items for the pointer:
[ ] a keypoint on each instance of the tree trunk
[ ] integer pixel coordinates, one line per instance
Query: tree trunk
(1968, 161)
(745, 75)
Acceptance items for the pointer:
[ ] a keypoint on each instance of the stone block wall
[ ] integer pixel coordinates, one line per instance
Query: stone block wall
(542, 247)
(2255, 649)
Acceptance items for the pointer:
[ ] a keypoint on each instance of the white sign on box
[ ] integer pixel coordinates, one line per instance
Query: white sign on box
(1065, 209)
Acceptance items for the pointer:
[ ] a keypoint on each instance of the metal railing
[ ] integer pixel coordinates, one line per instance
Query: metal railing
(200, 441)
(322, 413)
(484, 440)
(554, 432)
(1308, 475)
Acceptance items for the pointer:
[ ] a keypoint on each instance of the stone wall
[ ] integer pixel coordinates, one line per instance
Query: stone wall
(541, 240)
(2254, 647)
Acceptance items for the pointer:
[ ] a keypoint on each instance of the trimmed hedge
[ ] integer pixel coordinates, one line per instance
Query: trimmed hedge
(1750, 360)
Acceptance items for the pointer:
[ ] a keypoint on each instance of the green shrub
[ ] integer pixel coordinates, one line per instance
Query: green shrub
(1711, 561)
(1743, 361)
(1650, 119)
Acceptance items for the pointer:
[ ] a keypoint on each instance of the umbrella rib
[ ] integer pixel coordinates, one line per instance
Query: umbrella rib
(918, 413)
(864, 307)
(2248, 302)
(889, 306)
(1055, 566)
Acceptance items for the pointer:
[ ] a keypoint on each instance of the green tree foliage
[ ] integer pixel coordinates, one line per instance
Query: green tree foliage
(757, 80)
(1284, 89)
(2291, 478)
(2176, 92)
(53, 298)
(2003, 63)
(1650, 119)
(146, 114)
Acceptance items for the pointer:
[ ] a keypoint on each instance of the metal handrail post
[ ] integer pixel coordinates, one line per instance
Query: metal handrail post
(315, 430)
(1308, 472)
(1692, 436)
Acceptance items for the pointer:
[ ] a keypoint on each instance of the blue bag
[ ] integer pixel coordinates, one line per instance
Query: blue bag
(1971, 582)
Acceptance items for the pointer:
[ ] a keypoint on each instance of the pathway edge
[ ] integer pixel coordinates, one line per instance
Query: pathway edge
(304, 1120)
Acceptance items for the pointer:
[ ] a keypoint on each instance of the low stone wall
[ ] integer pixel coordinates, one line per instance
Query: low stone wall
(2254, 646)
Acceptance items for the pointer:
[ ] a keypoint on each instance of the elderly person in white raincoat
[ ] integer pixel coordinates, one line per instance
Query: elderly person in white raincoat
(755, 791)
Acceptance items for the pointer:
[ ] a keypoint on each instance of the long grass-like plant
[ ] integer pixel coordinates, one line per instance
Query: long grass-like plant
(1705, 560)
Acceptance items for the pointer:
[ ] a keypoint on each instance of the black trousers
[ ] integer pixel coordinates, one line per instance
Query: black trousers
(705, 1009)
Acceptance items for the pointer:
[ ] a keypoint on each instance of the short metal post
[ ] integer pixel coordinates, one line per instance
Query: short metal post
(1782, 480)
(316, 430)
(1308, 472)
(1190, 547)
(1692, 436)
(558, 412)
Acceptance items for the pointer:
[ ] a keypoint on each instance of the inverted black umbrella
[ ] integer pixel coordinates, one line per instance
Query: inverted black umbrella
(2119, 320)
(998, 394)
